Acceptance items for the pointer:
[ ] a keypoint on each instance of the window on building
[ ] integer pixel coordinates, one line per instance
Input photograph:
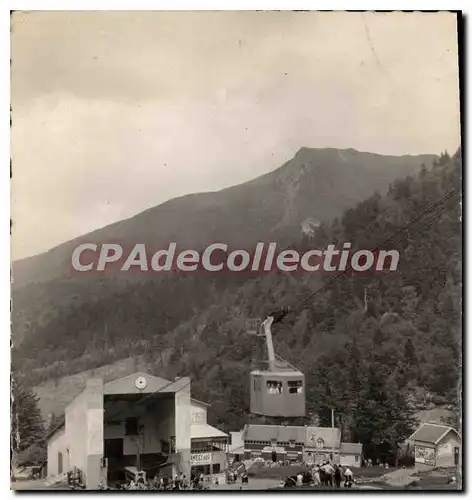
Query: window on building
(274, 387)
(320, 443)
(131, 427)
(292, 443)
(356, 459)
(200, 447)
(59, 463)
(165, 447)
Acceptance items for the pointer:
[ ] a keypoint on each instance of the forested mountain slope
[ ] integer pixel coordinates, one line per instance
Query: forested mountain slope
(317, 184)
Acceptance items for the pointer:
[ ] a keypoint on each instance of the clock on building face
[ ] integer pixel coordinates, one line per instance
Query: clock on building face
(140, 382)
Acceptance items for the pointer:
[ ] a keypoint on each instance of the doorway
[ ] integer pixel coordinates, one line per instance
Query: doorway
(456, 455)
(114, 455)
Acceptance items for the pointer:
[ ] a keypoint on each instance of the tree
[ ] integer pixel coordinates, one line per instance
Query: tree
(410, 354)
(383, 418)
(27, 426)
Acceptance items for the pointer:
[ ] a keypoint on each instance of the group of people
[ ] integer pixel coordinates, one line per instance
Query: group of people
(332, 475)
(75, 479)
(295, 387)
(277, 387)
(274, 387)
(325, 475)
(233, 475)
(166, 483)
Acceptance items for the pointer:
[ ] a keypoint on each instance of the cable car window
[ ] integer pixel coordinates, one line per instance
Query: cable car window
(295, 387)
(274, 387)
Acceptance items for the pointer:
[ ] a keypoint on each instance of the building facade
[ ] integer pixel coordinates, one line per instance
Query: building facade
(299, 444)
(350, 454)
(139, 421)
(209, 446)
(436, 445)
(236, 447)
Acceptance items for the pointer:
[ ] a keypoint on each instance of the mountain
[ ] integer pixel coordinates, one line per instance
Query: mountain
(113, 313)
(316, 184)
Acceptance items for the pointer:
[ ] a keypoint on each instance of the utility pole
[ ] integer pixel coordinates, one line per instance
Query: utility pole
(211, 462)
(332, 427)
(138, 452)
(313, 447)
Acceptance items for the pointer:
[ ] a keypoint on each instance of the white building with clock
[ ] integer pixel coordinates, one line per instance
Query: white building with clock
(139, 422)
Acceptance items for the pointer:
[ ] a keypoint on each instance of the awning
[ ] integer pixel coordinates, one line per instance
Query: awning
(205, 431)
(268, 449)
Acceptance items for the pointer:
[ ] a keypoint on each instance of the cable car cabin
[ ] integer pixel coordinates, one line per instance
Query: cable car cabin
(278, 390)
(278, 393)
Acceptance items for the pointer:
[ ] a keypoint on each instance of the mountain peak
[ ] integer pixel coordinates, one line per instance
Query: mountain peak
(315, 184)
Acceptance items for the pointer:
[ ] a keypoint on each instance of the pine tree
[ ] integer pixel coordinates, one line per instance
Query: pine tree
(383, 418)
(410, 354)
(27, 426)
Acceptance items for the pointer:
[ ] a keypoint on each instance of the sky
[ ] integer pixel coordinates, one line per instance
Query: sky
(116, 112)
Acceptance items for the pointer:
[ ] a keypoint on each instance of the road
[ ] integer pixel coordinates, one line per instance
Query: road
(254, 484)
(35, 485)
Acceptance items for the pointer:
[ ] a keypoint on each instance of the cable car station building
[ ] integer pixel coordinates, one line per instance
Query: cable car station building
(141, 422)
(279, 443)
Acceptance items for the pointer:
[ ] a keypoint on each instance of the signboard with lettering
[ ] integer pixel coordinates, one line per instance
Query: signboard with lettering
(425, 455)
(200, 458)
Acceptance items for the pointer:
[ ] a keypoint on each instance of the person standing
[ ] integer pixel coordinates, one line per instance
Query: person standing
(329, 471)
(165, 482)
(337, 476)
(348, 478)
(176, 485)
(299, 479)
(316, 475)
